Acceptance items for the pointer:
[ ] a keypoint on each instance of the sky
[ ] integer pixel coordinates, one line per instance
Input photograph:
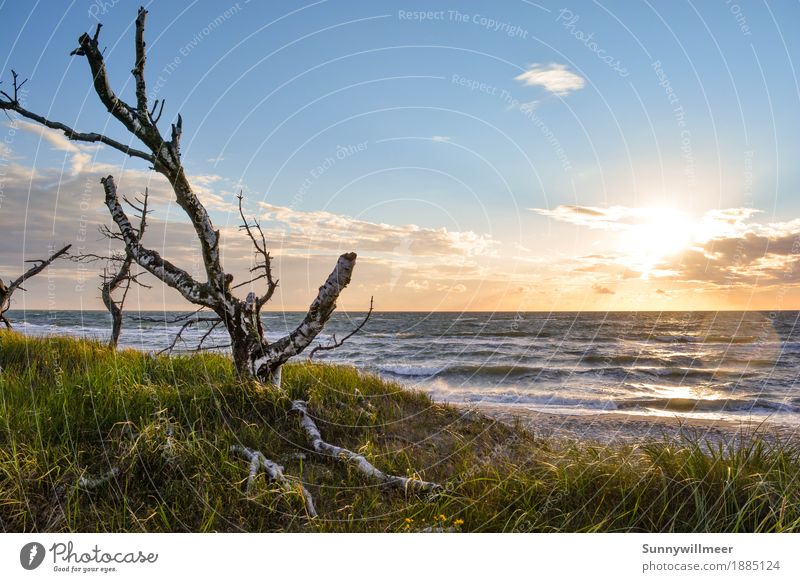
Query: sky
(506, 156)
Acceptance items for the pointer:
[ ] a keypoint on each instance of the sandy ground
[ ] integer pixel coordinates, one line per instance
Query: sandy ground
(626, 428)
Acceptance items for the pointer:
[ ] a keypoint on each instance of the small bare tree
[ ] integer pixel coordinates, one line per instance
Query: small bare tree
(6, 291)
(119, 272)
(253, 355)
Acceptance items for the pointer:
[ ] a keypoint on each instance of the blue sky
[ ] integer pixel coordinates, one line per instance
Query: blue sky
(424, 114)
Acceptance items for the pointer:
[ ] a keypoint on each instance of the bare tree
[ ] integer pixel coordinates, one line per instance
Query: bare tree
(119, 273)
(7, 291)
(253, 355)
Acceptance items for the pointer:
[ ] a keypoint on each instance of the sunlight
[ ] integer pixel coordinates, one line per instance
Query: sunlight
(659, 233)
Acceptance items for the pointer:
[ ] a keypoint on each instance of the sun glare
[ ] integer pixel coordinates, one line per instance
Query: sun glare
(657, 234)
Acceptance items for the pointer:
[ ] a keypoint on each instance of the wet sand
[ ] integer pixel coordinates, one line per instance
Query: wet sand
(619, 428)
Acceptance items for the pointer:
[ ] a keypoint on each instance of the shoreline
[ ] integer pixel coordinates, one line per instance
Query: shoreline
(619, 428)
(605, 428)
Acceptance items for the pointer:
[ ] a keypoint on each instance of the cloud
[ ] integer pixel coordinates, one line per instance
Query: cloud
(81, 156)
(723, 248)
(554, 78)
(421, 286)
(45, 205)
(762, 254)
(320, 229)
(612, 217)
(599, 289)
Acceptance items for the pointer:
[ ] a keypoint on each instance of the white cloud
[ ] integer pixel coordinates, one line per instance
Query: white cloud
(81, 155)
(421, 286)
(612, 217)
(325, 230)
(554, 78)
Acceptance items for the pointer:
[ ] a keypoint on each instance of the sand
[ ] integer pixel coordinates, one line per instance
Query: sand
(620, 428)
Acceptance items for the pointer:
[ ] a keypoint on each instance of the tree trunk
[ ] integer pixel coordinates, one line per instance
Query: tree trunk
(253, 355)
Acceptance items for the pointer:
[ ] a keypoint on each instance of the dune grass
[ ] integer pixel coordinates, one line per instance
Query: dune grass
(72, 409)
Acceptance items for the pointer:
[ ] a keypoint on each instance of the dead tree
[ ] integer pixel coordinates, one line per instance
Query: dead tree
(253, 355)
(7, 291)
(119, 272)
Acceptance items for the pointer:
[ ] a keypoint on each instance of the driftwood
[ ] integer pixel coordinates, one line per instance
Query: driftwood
(7, 291)
(360, 462)
(275, 473)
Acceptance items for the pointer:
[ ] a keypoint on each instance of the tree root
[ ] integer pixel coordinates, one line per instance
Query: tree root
(273, 471)
(359, 461)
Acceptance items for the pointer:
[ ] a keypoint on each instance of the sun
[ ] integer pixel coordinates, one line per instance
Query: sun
(653, 235)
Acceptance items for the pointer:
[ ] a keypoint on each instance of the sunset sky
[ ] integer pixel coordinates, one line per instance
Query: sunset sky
(477, 156)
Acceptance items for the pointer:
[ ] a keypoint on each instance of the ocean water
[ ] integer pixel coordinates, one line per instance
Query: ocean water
(693, 364)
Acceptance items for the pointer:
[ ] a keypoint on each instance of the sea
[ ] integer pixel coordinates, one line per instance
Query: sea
(713, 365)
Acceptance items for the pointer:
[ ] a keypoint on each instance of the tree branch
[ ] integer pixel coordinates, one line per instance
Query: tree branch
(126, 114)
(138, 69)
(75, 135)
(7, 291)
(359, 461)
(340, 343)
(260, 245)
(36, 269)
(150, 260)
(317, 316)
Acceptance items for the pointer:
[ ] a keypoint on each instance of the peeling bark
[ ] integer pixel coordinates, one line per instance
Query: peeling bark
(358, 461)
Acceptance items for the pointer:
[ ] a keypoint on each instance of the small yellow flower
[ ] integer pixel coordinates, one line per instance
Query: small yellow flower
(458, 522)
(442, 517)
(409, 520)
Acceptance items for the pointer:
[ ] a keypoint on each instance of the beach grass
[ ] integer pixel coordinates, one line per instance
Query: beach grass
(97, 440)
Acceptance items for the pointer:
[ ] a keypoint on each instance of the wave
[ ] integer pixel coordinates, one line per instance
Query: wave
(649, 361)
(478, 334)
(471, 370)
(706, 405)
(668, 372)
(730, 339)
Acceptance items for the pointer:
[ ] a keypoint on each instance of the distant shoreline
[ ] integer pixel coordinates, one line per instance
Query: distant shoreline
(18, 312)
(620, 428)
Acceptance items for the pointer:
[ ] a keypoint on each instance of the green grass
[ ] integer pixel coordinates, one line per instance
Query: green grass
(72, 409)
